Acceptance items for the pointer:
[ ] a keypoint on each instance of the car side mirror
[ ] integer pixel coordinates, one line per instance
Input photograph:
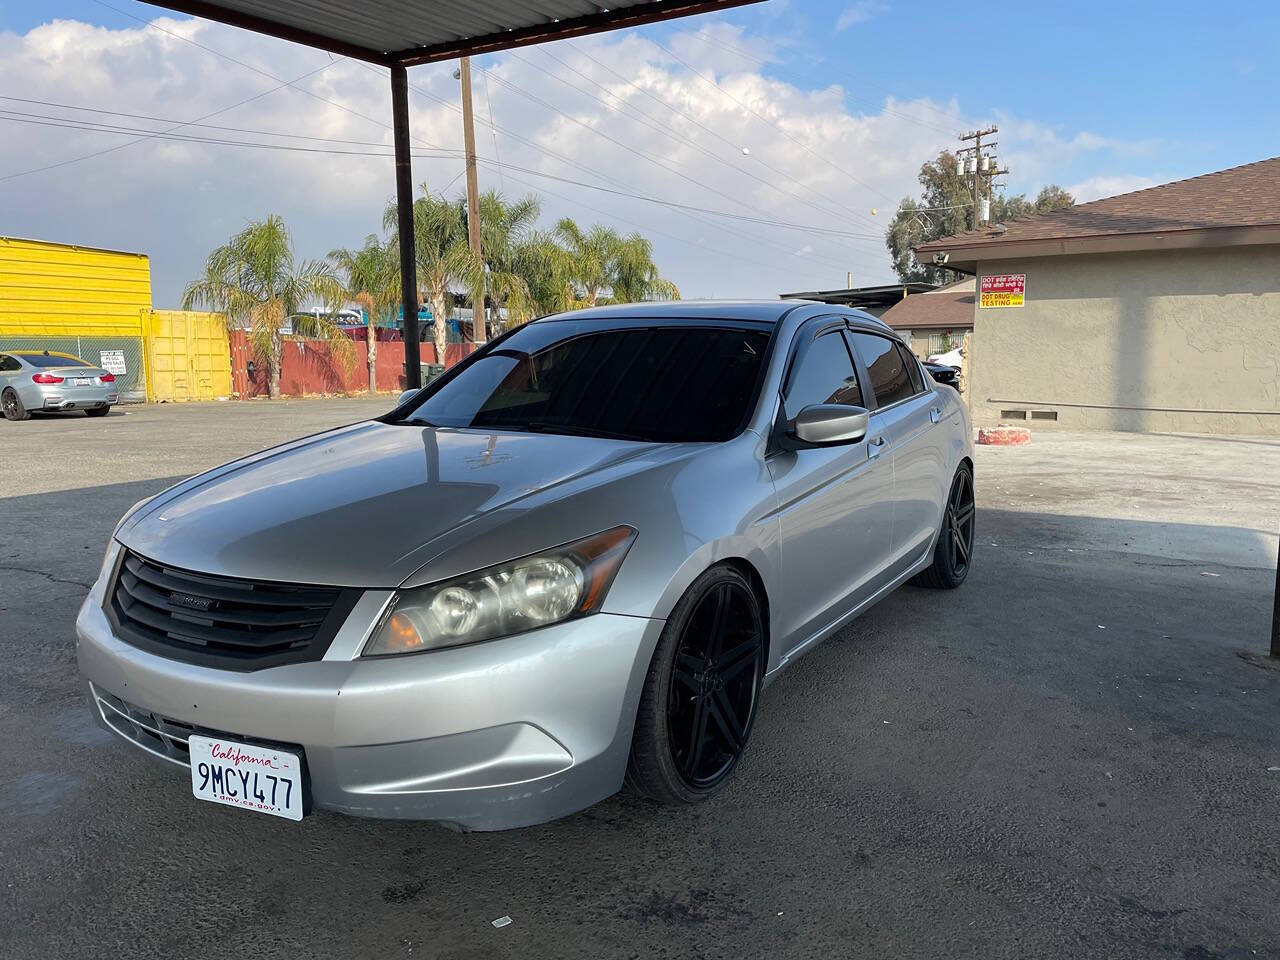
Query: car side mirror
(405, 396)
(830, 423)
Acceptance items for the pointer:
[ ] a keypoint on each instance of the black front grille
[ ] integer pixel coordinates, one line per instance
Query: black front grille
(222, 621)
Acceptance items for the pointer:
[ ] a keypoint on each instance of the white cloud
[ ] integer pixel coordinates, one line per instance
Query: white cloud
(1095, 188)
(859, 12)
(829, 166)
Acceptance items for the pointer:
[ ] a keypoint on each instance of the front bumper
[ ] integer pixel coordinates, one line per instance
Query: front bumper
(490, 736)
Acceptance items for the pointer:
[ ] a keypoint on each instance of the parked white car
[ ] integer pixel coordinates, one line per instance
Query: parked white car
(950, 359)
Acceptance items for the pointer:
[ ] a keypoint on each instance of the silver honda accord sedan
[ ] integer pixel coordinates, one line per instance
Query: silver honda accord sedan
(572, 561)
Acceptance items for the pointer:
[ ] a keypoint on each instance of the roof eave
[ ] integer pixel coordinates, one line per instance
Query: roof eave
(966, 254)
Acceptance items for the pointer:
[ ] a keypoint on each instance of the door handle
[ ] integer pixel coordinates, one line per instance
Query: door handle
(875, 447)
(935, 414)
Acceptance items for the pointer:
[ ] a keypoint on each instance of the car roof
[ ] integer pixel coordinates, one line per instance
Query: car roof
(759, 311)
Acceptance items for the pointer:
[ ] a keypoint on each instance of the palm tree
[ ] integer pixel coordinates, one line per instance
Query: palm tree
(370, 277)
(445, 261)
(443, 257)
(605, 266)
(634, 275)
(546, 268)
(590, 255)
(254, 281)
(507, 228)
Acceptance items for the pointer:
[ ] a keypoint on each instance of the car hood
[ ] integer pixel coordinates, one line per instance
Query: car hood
(360, 506)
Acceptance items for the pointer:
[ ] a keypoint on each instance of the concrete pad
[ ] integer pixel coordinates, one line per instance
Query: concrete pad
(1065, 757)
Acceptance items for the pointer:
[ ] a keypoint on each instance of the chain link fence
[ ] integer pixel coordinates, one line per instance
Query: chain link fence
(131, 383)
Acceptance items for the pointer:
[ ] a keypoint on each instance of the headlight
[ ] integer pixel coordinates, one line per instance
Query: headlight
(558, 584)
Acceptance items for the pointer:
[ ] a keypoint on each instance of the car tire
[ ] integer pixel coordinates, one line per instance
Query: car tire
(97, 411)
(12, 405)
(953, 554)
(699, 697)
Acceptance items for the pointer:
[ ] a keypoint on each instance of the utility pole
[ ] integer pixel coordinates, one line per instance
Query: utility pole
(974, 162)
(479, 313)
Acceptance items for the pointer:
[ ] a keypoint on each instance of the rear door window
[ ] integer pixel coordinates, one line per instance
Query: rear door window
(890, 381)
(913, 369)
(823, 373)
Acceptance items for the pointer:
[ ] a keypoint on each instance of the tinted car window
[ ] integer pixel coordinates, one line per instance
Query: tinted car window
(888, 371)
(913, 369)
(8, 363)
(52, 360)
(823, 373)
(670, 384)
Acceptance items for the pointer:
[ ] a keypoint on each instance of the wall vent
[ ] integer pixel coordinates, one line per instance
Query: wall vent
(1013, 414)
(1044, 415)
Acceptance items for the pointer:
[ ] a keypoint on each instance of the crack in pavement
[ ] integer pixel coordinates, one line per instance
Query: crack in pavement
(47, 576)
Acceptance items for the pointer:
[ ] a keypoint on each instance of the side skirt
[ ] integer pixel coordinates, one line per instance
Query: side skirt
(920, 564)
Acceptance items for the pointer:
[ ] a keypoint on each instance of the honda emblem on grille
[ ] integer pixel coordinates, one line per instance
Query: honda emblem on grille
(190, 602)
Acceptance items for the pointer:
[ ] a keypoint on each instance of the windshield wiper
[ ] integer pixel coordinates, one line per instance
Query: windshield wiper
(579, 430)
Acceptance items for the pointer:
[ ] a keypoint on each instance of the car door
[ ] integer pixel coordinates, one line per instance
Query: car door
(835, 502)
(7, 366)
(908, 409)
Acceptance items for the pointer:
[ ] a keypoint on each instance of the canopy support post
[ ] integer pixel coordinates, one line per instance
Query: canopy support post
(404, 218)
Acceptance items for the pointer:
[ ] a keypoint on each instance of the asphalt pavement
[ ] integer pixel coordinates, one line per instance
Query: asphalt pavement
(1076, 754)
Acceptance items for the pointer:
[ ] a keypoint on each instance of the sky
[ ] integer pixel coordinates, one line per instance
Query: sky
(762, 150)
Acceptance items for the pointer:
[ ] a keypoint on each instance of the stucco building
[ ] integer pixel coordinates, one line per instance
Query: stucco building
(1157, 310)
(934, 321)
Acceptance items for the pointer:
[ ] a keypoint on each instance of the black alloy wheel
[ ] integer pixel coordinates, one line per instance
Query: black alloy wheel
(712, 699)
(699, 698)
(953, 555)
(959, 520)
(12, 406)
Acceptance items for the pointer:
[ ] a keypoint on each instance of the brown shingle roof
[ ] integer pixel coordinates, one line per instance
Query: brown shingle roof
(949, 309)
(1241, 197)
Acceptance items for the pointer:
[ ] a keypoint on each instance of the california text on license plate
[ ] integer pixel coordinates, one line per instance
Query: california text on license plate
(244, 775)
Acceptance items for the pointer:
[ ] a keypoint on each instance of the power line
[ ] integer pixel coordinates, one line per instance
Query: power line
(798, 142)
(738, 51)
(614, 140)
(568, 161)
(248, 66)
(699, 124)
(171, 133)
(71, 124)
(121, 146)
(179, 123)
(577, 164)
(652, 124)
(64, 123)
(765, 221)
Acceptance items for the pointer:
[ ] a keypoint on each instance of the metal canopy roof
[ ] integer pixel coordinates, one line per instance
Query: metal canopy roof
(409, 32)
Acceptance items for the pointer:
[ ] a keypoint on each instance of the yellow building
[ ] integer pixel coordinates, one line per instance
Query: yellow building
(81, 300)
(96, 304)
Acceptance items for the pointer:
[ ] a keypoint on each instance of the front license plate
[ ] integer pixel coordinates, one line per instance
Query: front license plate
(83, 382)
(243, 775)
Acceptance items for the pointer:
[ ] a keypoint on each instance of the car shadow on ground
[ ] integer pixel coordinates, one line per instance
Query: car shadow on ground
(1064, 757)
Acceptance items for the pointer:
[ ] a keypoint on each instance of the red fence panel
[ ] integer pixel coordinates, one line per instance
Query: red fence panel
(308, 367)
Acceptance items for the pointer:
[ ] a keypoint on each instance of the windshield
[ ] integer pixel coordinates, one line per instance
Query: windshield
(51, 360)
(660, 384)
